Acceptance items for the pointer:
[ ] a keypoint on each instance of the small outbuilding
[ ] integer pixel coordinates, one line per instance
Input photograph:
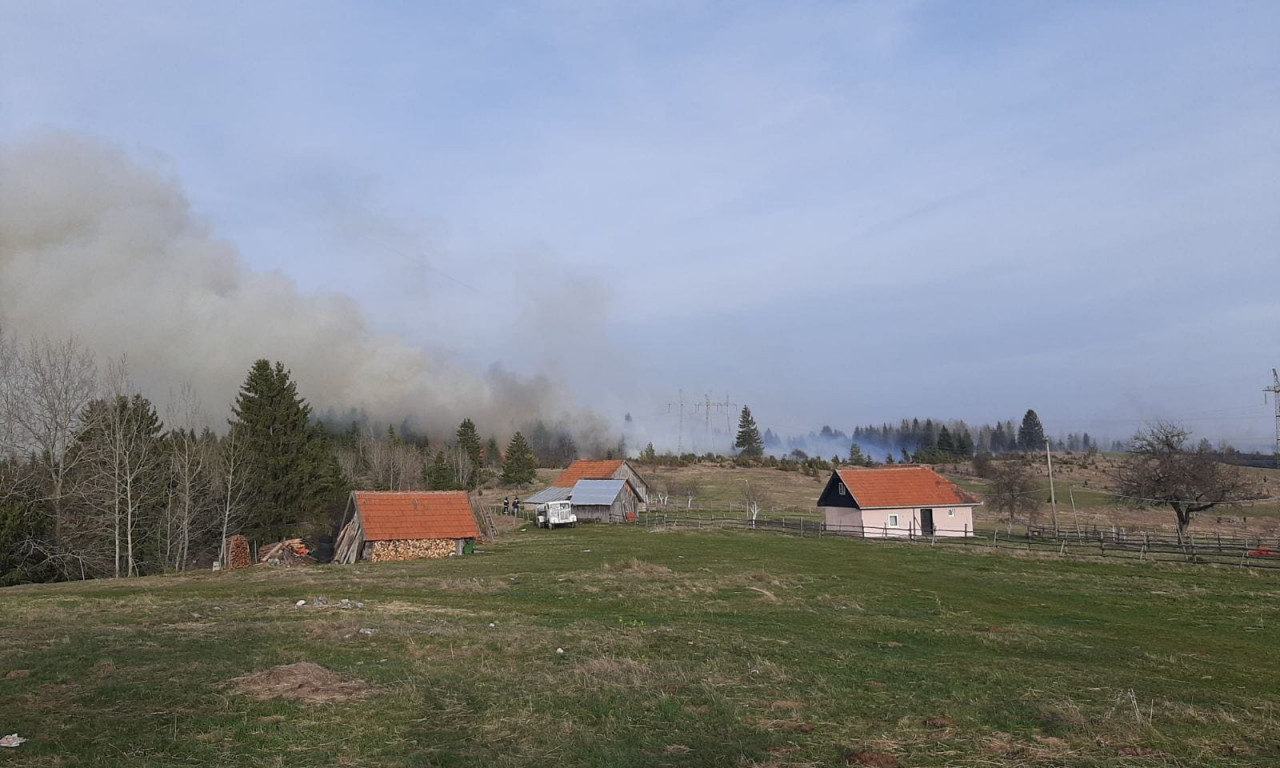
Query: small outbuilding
(546, 495)
(379, 526)
(607, 469)
(891, 502)
(605, 501)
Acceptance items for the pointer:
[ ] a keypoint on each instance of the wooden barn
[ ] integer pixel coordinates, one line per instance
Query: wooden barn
(610, 469)
(380, 526)
(895, 502)
(605, 501)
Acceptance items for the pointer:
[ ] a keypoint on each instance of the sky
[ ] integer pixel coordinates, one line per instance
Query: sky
(835, 212)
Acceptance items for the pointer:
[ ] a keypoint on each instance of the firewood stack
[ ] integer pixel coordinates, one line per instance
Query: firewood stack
(238, 552)
(288, 552)
(411, 549)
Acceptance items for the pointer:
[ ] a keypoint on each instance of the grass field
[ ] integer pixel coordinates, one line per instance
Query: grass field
(728, 649)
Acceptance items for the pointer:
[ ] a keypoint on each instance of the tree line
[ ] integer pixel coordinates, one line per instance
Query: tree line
(96, 482)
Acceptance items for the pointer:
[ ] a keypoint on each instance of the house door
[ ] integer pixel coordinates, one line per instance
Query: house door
(926, 522)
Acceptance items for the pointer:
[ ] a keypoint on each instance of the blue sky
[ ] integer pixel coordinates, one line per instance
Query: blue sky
(835, 212)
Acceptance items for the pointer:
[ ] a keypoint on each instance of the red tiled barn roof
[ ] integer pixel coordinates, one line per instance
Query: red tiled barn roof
(584, 469)
(902, 487)
(391, 515)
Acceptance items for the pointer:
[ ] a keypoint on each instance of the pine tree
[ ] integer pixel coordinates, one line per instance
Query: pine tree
(1031, 433)
(293, 475)
(749, 444)
(521, 466)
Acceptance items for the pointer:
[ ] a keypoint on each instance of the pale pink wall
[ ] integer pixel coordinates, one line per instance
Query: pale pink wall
(843, 520)
(874, 523)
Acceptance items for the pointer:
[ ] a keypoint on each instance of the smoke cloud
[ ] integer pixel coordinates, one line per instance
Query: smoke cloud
(95, 244)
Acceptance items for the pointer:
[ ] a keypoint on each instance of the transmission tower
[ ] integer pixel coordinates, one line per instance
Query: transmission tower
(725, 408)
(1274, 389)
(680, 434)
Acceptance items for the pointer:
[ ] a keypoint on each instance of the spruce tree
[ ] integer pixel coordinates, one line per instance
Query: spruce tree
(749, 444)
(440, 476)
(293, 475)
(946, 446)
(469, 444)
(1031, 433)
(521, 466)
(492, 454)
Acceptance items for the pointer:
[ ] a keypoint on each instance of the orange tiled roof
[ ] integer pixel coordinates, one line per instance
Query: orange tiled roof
(390, 515)
(902, 487)
(583, 469)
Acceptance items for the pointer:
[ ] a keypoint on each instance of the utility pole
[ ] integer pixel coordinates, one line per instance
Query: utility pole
(1053, 499)
(1274, 389)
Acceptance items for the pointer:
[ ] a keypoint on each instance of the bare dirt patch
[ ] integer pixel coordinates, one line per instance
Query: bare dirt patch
(871, 758)
(14, 674)
(306, 682)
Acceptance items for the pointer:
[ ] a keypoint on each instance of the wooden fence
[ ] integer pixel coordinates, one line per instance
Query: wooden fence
(1252, 551)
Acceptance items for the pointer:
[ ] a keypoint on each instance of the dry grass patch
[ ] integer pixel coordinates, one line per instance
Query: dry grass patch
(639, 569)
(612, 671)
(306, 682)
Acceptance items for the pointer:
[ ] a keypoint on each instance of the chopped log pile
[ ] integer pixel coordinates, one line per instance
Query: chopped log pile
(411, 549)
(286, 553)
(238, 552)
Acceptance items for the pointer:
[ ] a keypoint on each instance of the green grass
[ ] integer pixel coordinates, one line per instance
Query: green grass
(709, 649)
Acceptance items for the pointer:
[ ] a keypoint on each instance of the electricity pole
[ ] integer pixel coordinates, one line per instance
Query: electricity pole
(1274, 389)
(1053, 499)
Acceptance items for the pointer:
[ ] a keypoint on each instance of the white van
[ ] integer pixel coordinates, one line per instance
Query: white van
(555, 513)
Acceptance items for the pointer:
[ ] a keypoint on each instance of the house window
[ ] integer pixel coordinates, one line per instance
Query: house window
(951, 513)
(893, 521)
(841, 488)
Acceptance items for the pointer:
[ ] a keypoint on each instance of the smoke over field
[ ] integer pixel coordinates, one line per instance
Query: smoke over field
(94, 244)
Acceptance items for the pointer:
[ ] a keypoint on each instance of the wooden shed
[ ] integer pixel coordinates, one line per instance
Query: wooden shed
(379, 526)
(605, 469)
(605, 501)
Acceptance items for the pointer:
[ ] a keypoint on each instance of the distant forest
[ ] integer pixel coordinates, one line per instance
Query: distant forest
(933, 440)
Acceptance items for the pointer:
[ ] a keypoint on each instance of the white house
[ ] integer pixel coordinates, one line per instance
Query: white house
(895, 502)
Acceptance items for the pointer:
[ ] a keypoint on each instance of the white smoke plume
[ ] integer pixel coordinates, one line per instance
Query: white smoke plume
(94, 244)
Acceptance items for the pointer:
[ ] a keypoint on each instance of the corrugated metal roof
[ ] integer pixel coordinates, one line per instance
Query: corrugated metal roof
(548, 494)
(596, 492)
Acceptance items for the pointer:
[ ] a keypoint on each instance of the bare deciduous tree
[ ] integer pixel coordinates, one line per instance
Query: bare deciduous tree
(43, 394)
(231, 486)
(1013, 490)
(1161, 469)
(123, 453)
(190, 513)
